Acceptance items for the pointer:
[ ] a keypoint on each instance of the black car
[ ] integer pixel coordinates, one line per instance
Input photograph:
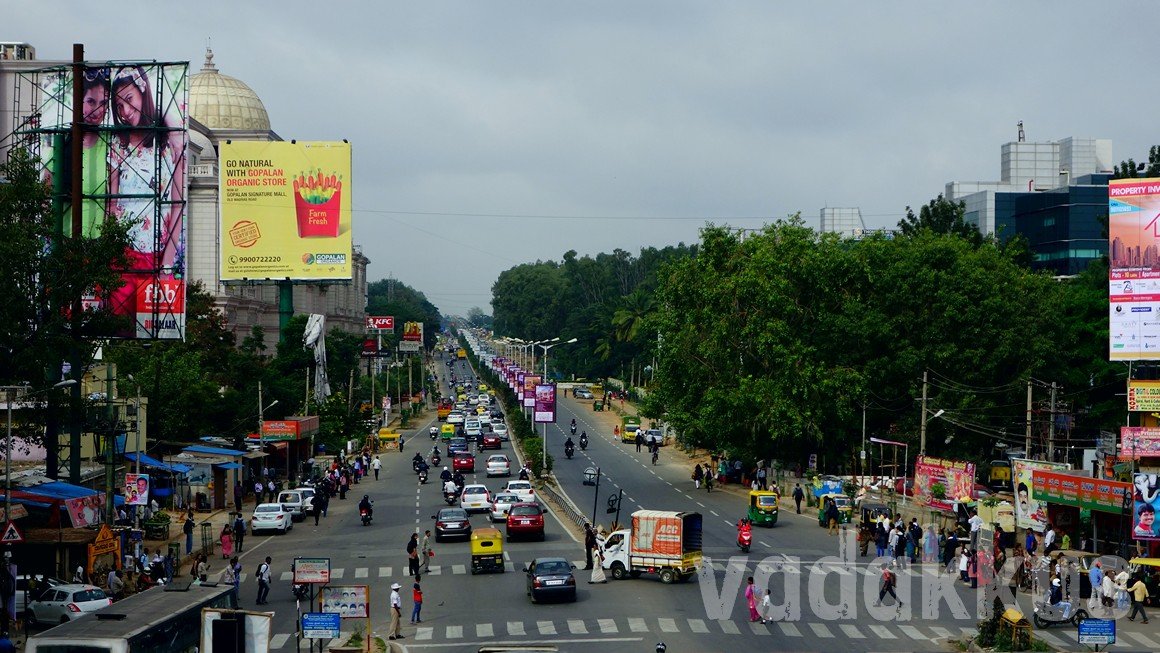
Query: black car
(456, 445)
(451, 522)
(496, 413)
(551, 578)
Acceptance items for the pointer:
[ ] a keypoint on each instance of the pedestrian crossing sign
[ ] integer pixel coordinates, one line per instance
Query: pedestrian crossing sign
(12, 534)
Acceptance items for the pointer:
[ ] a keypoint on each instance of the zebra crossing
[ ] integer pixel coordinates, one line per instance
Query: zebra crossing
(389, 572)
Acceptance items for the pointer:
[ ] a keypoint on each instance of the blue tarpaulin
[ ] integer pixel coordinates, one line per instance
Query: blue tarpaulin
(176, 468)
(213, 451)
(59, 490)
(227, 465)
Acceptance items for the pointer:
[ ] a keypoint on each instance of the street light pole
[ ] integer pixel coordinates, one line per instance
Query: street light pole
(544, 437)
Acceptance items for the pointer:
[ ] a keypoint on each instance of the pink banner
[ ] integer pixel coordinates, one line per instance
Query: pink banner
(956, 476)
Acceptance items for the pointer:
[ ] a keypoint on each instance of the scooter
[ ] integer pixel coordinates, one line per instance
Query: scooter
(744, 535)
(1045, 615)
(433, 432)
(583, 442)
(573, 429)
(423, 477)
(568, 452)
(435, 460)
(366, 516)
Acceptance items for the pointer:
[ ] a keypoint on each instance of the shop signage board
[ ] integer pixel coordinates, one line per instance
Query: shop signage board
(1085, 492)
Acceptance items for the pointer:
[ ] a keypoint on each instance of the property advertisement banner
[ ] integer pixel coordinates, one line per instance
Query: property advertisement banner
(137, 489)
(413, 331)
(1080, 491)
(544, 411)
(519, 388)
(285, 210)
(133, 159)
(350, 601)
(530, 382)
(1029, 511)
(1133, 270)
(956, 476)
(1146, 495)
(1139, 442)
(1144, 395)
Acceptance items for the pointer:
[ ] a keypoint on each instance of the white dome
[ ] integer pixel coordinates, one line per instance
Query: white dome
(222, 102)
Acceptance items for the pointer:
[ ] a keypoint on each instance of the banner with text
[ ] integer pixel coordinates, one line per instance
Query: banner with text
(1079, 490)
(544, 411)
(1029, 511)
(956, 476)
(1139, 442)
(1133, 271)
(530, 382)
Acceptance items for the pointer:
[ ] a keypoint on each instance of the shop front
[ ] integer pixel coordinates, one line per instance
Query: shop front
(289, 443)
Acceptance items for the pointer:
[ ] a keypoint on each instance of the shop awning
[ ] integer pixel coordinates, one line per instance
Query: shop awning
(150, 461)
(59, 490)
(255, 454)
(213, 451)
(227, 466)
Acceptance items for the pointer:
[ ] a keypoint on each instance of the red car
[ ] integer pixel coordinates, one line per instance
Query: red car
(525, 519)
(491, 441)
(463, 462)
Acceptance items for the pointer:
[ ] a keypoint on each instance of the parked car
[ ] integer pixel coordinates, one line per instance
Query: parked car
(294, 502)
(307, 499)
(451, 522)
(463, 462)
(498, 464)
(475, 498)
(500, 430)
(523, 489)
(525, 520)
(501, 504)
(64, 603)
(583, 393)
(551, 578)
(22, 593)
(271, 516)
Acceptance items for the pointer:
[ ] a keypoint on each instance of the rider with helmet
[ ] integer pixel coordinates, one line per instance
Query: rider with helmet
(445, 475)
(365, 504)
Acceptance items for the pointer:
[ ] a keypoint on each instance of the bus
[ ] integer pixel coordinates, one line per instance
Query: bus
(445, 406)
(159, 620)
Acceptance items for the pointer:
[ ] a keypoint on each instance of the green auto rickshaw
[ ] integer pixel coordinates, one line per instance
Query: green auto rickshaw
(845, 508)
(763, 507)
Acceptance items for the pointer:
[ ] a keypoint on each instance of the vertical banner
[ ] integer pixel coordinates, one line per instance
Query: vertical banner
(285, 210)
(1133, 277)
(956, 476)
(137, 489)
(519, 386)
(1029, 512)
(133, 169)
(530, 382)
(545, 406)
(1146, 495)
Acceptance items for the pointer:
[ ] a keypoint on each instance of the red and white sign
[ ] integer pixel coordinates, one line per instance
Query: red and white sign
(381, 322)
(11, 535)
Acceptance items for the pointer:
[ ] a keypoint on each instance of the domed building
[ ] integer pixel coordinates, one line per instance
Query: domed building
(225, 108)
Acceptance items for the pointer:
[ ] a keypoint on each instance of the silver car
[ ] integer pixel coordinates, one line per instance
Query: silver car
(498, 464)
(65, 603)
(500, 429)
(502, 504)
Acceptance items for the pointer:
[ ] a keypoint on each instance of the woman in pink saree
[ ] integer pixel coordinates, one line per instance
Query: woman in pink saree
(751, 598)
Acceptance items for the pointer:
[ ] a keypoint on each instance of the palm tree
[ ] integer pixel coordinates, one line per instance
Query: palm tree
(627, 321)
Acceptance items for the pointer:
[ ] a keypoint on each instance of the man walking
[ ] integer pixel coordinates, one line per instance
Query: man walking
(187, 528)
(377, 465)
(425, 551)
(259, 489)
(264, 581)
(413, 555)
(396, 608)
(761, 478)
(239, 531)
(887, 586)
(1138, 592)
(798, 495)
(238, 491)
(589, 544)
(639, 440)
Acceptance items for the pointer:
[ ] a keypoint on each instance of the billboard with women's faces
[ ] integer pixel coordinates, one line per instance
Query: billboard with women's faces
(133, 162)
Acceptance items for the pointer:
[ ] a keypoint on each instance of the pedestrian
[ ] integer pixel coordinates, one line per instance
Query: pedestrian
(798, 495)
(227, 540)
(1049, 540)
(761, 478)
(880, 540)
(832, 516)
(930, 545)
(187, 528)
(589, 544)
(698, 474)
(201, 568)
(417, 599)
(342, 485)
(377, 465)
(597, 567)
(639, 440)
(271, 491)
(751, 600)
(892, 545)
(886, 586)
(230, 577)
(973, 568)
(239, 531)
(259, 489)
(238, 491)
(263, 576)
(1096, 578)
(425, 551)
(323, 499)
(413, 555)
(396, 608)
(1138, 592)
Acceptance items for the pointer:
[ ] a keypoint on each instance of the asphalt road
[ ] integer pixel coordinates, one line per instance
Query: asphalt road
(826, 611)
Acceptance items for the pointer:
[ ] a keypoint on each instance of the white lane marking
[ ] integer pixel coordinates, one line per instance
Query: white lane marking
(516, 628)
(546, 627)
(577, 627)
(882, 632)
(698, 626)
(484, 630)
(766, 545)
(454, 632)
(507, 556)
(758, 628)
(337, 573)
(459, 569)
(940, 631)
(714, 513)
(667, 625)
(820, 630)
(1146, 641)
(637, 625)
(435, 570)
(700, 504)
(424, 633)
(361, 572)
(384, 572)
(789, 629)
(607, 626)
(730, 628)
(911, 632)
(851, 631)
(279, 640)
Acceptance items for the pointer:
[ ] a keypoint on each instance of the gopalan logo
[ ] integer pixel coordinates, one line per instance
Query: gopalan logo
(324, 259)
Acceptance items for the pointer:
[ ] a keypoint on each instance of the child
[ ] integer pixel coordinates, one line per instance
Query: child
(766, 608)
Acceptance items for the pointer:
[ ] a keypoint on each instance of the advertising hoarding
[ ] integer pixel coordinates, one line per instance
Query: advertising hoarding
(1146, 501)
(413, 331)
(133, 159)
(1139, 442)
(1074, 489)
(349, 601)
(1144, 395)
(519, 386)
(530, 382)
(1134, 269)
(956, 476)
(137, 489)
(285, 210)
(544, 411)
(1029, 511)
(380, 322)
(312, 570)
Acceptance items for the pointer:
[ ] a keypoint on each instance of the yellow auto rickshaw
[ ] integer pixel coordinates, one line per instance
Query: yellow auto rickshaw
(763, 507)
(845, 508)
(446, 432)
(486, 551)
(388, 438)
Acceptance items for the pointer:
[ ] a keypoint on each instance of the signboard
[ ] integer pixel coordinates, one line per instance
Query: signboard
(321, 625)
(1139, 442)
(1144, 395)
(530, 382)
(1029, 511)
(409, 347)
(1097, 632)
(956, 476)
(1133, 277)
(381, 322)
(11, 535)
(294, 428)
(137, 489)
(413, 331)
(519, 389)
(1079, 491)
(18, 512)
(1146, 502)
(285, 210)
(349, 602)
(544, 409)
(86, 511)
(312, 570)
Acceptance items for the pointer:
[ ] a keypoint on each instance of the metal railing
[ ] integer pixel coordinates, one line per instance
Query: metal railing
(570, 510)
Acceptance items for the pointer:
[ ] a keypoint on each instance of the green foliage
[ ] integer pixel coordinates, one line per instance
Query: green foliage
(940, 216)
(1130, 170)
(938, 491)
(393, 297)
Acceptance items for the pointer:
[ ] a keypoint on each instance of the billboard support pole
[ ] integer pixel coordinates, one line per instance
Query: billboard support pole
(285, 307)
(76, 163)
(1027, 435)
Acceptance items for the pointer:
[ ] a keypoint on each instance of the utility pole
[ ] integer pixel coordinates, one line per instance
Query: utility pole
(1051, 427)
(922, 427)
(1027, 436)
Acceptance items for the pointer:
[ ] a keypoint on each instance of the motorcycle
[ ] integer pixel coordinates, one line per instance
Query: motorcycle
(568, 452)
(450, 498)
(415, 462)
(744, 535)
(435, 460)
(301, 591)
(433, 432)
(423, 477)
(583, 441)
(1045, 615)
(573, 429)
(365, 514)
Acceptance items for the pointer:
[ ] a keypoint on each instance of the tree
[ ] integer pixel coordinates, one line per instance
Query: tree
(940, 216)
(1130, 169)
(477, 318)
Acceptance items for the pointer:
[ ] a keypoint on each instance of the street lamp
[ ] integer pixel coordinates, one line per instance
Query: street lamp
(541, 342)
(926, 414)
(544, 436)
(592, 477)
(10, 396)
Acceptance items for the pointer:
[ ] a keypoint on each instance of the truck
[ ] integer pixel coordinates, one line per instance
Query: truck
(629, 425)
(658, 542)
(462, 353)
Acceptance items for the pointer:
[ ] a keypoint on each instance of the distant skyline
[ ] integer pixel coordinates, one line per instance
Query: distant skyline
(489, 134)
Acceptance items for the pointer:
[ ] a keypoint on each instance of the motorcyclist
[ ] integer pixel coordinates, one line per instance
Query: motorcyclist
(417, 459)
(445, 475)
(460, 481)
(449, 488)
(365, 504)
(1055, 597)
(583, 439)
(524, 473)
(422, 466)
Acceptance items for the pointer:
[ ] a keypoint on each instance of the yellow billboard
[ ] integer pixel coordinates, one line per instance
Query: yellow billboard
(285, 210)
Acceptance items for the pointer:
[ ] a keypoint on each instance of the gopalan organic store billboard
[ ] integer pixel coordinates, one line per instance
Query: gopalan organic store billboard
(285, 210)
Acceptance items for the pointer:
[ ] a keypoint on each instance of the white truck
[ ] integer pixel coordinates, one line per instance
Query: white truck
(658, 542)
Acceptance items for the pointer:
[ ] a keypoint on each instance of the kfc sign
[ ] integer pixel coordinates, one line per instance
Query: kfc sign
(381, 322)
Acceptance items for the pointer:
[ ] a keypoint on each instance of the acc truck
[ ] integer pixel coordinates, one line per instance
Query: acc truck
(659, 542)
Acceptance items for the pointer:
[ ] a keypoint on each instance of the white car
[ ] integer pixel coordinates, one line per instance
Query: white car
(65, 603)
(455, 418)
(484, 419)
(473, 400)
(498, 464)
(522, 489)
(472, 428)
(307, 499)
(295, 503)
(22, 588)
(271, 516)
(475, 498)
(484, 399)
(502, 504)
(500, 429)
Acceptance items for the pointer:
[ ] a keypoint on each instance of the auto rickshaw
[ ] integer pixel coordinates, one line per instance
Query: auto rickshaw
(388, 439)
(845, 508)
(763, 507)
(1150, 569)
(446, 432)
(486, 551)
(867, 529)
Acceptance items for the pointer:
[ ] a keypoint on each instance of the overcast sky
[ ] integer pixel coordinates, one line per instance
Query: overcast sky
(488, 134)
